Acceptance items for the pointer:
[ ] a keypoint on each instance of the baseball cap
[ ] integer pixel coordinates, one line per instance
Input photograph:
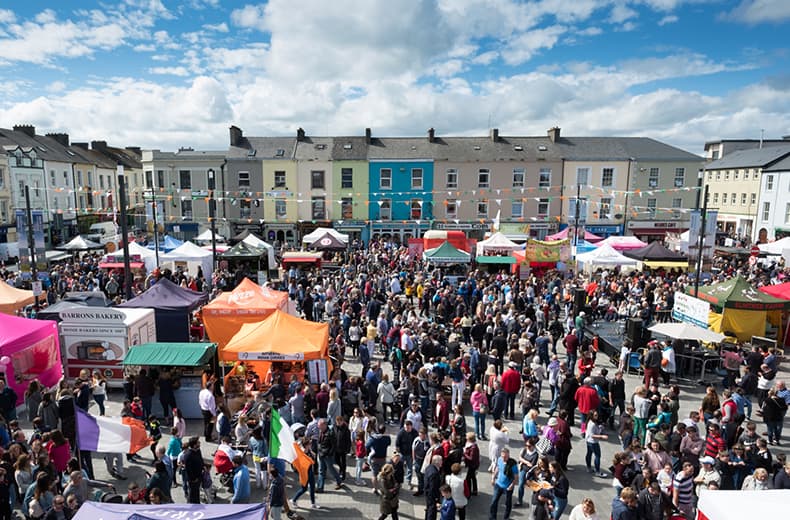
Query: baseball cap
(707, 460)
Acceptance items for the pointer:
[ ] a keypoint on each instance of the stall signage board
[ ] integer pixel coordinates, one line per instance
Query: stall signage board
(318, 371)
(270, 356)
(691, 310)
(98, 316)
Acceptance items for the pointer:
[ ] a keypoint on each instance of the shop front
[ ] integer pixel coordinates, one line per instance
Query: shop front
(183, 362)
(357, 231)
(650, 231)
(280, 233)
(605, 231)
(398, 232)
(475, 230)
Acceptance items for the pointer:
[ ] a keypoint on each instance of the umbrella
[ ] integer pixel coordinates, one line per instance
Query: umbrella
(683, 330)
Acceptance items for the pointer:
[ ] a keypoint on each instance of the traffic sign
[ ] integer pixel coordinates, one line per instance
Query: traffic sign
(755, 250)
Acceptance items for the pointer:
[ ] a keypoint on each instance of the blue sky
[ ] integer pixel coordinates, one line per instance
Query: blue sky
(170, 73)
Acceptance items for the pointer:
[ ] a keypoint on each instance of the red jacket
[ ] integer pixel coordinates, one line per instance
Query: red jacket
(587, 399)
(511, 381)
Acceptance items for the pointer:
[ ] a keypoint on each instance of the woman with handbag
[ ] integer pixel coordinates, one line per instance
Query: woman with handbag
(389, 488)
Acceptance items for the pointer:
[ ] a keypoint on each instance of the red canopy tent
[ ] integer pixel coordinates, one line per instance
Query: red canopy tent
(781, 291)
(562, 235)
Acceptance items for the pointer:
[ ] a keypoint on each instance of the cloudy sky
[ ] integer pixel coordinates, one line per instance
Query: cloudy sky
(170, 73)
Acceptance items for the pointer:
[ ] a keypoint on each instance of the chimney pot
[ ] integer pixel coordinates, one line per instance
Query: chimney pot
(554, 134)
(28, 130)
(61, 138)
(99, 146)
(495, 134)
(300, 134)
(236, 136)
(368, 135)
(431, 135)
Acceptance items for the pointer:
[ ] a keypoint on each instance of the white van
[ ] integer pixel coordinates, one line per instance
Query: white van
(105, 233)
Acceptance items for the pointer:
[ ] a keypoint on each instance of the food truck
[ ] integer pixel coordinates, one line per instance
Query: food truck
(99, 338)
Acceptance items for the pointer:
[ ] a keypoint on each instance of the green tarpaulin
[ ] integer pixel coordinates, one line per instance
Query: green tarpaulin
(492, 259)
(738, 293)
(170, 354)
(447, 254)
(243, 250)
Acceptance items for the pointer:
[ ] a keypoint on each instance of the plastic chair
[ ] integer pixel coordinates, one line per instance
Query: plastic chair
(634, 362)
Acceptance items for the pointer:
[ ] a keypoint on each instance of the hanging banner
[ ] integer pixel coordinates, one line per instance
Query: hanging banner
(38, 239)
(695, 225)
(540, 251)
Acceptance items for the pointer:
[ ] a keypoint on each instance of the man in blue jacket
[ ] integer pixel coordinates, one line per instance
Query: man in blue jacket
(241, 481)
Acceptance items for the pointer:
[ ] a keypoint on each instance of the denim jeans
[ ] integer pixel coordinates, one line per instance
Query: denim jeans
(325, 462)
(559, 507)
(593, 449)
(99, 401)
(310, 485)
(408, 464)
(522, 481)
(498, 492)
(511, 405)
(774, 430)
(420, 475)
(480, 424)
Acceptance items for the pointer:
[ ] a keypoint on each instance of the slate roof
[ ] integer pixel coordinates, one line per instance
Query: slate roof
(470, 149)
(314, 149)
(46, 148)
(782, 165)
(753, 158)
(357, 152)
(265, 148)
(621, 149)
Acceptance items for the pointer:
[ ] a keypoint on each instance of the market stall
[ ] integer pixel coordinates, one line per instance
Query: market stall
(656, 256)
(185, 362)
(605, 257)
(446, 254)
(540, 256)
(738, 309)
(167, 244)
(253, 240)
(328, 242)
(436, 237)
(251, 258)
(739, 504)
(73, 300)
(496, 244)
(283, 344)
(247, 303)
(139, 257)
(309, 238)
(301, 259)
(206, 237)
(97, 338)
(91, 510)
(565, 234)
(79, 243)
(13, 299)
(192, 256)
(622, 243)
(29, 349)
(173, 306)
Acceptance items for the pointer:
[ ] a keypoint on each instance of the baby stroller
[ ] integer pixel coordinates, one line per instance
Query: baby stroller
(223, 463)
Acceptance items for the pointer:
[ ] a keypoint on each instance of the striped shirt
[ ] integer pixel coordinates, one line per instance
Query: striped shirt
(684, 487)
(714, 444)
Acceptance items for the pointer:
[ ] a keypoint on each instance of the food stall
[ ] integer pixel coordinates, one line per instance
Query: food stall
(29, 349)
(283, 344)
(173, 306)
(186, 362)
(98, 338)
(13, 299)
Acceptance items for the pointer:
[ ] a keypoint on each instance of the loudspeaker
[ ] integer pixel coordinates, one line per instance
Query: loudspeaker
(633, 329)
(579, 300)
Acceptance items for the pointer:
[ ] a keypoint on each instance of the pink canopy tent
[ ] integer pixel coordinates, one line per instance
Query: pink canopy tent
(29, 349)
(622, 243)
(562, 235)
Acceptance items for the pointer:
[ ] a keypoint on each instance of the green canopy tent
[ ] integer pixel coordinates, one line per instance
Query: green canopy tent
(186, 361)
(446, 254)
(170, 354)
(243, 252)
(738, 293)
(495, 259)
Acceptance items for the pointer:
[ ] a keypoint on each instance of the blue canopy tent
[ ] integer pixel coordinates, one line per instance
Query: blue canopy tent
(167, 244)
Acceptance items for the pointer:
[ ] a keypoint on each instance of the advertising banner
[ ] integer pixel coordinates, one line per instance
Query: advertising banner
(691, 310)
(695, 224)
(540, 251)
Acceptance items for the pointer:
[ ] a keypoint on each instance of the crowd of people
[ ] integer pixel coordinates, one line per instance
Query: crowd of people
(425, 371)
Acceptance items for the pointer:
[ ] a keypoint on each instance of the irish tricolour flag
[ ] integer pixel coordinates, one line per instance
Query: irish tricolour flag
(110, 435)
(283, 446)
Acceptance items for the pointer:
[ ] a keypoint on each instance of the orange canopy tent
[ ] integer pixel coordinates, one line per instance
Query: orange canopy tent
(247, 303)
(13, 299)
(280, 337)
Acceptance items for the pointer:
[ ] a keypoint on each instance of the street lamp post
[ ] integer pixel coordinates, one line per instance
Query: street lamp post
(156, 226)
(212, 216)
(576, 225)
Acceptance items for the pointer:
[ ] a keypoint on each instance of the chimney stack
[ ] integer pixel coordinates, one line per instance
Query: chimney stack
(60, 138)
(368, 134)
(84, 146)
(495, 134)
(28, 130)
(431, 135)
(236, 136)
(135, 150)
(554, 134)
(99, 146)
(300, 134)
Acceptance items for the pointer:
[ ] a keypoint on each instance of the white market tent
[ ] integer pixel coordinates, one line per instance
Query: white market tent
(738, 504)
(252, 240)
(80, 244)
(604, 256)
(147, 256)
(191, 253)
(496, 243)
(683, 330)
(206, 237)
(777, 247)
(319, 232)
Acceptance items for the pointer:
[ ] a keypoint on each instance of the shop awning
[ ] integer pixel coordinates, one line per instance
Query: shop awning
(119, 265)
(170, 354)
(493, 259)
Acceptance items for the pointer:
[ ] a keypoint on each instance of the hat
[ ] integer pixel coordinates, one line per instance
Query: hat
(553, 421)
(707, 460)
(512, 364)
(582, 314)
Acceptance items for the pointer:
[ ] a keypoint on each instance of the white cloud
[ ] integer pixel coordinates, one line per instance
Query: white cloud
(760, 11)
(485, 58)
(249, 17)
(7, 16)
(145, 47)
(524, 46)
(668, 20)
(57, 86)
(218, 27)
(45, 16)
(249, 57)
(590, 31)
(170, 71)
(620, 13)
